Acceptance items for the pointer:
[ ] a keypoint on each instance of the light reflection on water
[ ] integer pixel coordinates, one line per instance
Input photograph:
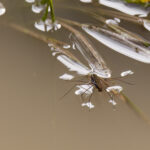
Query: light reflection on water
(2, 9)
(32, 117)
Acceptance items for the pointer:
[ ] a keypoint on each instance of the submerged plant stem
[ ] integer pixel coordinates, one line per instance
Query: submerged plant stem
(134, 107)
(57, 44)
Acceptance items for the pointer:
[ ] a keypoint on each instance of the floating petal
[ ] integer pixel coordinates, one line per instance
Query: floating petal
(66, 77)
(47, 25)
(37, 8)
(112, 21)
(126, 73)
(54, 53)
(44, 26)
(112, 102)
(88, 104)
(87, 89)
(67, 46)
(73, 66)
(56, 25)
(115, 88)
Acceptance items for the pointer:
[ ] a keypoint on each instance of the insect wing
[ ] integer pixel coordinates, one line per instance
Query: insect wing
(69, 60)
(93, 58)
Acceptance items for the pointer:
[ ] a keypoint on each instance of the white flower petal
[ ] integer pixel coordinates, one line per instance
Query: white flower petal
(66, 77)
(114, 88)
(88, 104)
(126, 73)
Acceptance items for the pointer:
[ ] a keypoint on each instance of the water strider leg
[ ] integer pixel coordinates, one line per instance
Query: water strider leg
(120, 79)
(126, 82)
(71, 90)
(68, 92)
(86, 90)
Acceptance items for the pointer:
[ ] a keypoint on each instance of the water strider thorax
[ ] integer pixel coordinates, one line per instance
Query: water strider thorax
(99, 83)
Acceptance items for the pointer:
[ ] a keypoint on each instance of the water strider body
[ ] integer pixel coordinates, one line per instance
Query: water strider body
(102, 85)
(96, 82)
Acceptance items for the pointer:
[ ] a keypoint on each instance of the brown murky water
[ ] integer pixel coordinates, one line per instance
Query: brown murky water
(31, 115)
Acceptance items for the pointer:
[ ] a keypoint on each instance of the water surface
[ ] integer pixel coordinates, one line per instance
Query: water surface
(32, 117)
